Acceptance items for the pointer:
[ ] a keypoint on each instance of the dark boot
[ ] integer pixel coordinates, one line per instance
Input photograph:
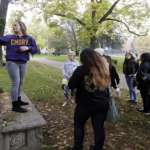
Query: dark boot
(72, 148)
(21, 102)
(130, 101)
(91, 147)
(16, 107)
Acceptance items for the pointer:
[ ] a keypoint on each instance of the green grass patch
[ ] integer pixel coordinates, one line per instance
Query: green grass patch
(43, 82)
(62, 58)
(128, 113)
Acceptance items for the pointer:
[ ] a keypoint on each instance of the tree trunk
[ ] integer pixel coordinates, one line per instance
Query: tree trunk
(101, 41)
(3, 13)
(93, 38)
(92, 42)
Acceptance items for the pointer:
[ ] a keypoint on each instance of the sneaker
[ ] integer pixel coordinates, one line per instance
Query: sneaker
(72, 101)
(130, 101)
(134, 103)
(118, 92)
(65, 103)
(142, 111)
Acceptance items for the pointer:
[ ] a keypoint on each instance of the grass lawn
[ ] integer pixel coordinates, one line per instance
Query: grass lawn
(62, 58)
(43, 86)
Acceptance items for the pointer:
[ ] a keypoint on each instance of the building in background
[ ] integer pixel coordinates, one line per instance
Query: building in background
(127, 47)
(44, 51)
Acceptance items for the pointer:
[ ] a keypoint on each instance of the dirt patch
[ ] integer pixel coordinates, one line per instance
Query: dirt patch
(59, 132)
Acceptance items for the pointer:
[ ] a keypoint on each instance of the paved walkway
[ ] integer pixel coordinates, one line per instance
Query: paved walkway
(59, 65)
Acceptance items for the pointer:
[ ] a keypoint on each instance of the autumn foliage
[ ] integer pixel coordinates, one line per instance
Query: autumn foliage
(142, 44)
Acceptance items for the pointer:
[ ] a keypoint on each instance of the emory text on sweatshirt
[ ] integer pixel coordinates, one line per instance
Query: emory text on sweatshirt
(14, 43)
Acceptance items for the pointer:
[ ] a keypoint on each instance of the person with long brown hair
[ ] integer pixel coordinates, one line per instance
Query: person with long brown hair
(130, 68)
(19, 45)
(91, 80)
(114, 75)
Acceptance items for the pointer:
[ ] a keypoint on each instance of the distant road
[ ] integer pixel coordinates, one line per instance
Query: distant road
(59, 65)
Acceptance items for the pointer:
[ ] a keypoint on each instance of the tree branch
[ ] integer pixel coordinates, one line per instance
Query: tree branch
(109, 12)
(30, 9)
(99, 1)
(71, 18)
(74, 17)
(127, 27)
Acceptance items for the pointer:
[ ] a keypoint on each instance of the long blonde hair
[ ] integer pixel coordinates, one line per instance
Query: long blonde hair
(23, 26)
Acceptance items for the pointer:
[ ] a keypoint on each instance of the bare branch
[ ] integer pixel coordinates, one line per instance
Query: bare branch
(30, 9)
(109, 12)
(127, 27)
(99, 1)
(80, 22)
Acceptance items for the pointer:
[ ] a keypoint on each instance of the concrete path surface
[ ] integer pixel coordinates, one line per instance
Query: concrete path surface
(59, 65)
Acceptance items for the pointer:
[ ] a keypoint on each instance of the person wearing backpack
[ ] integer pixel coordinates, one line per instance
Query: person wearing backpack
(143, 86)
(114, 76)
(130, 68)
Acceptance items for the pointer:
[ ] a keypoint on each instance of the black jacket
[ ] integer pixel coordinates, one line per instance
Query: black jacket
(144, 67)
(129, 70)
(114, 75)
(86, 94)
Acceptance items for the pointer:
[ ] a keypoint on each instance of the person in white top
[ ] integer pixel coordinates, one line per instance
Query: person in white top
(68, 68)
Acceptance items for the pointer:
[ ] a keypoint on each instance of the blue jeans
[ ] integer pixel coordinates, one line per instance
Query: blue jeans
(17, 73)
(98, 115)
(132, 90)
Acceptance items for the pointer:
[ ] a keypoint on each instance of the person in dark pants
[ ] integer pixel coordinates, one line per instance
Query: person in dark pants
(130, 74)
(19, 45)
(91, 80)
(147, 104)
(114, 76)
(143, 86)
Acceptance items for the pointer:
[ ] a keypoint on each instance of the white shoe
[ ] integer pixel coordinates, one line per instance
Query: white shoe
(65, 103)
(118, 92)
(72, 101)
(141, 109)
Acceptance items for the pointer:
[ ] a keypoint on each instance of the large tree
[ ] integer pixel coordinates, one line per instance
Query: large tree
(97, 17)
(73, 38)
(58, 43)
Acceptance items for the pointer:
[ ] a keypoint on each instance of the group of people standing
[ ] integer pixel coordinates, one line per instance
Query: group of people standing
(134, 71)
(91, 95)
(55, 54)
(88, 82)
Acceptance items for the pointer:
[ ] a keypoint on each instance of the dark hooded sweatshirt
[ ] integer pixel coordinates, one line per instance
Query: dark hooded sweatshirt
(86, 94)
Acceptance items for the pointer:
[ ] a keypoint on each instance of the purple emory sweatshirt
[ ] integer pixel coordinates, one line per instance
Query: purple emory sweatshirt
(14, 43)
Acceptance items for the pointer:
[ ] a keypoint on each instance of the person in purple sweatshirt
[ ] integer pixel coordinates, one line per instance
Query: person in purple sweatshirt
(19, 45)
